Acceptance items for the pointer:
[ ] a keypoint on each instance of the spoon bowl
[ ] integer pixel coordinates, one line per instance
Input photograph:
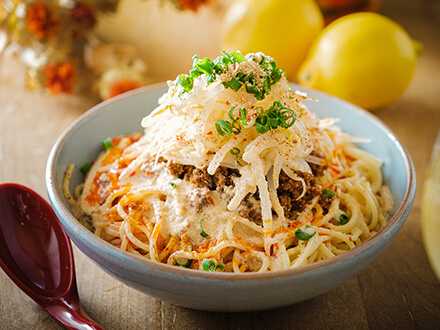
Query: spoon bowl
(36, 254)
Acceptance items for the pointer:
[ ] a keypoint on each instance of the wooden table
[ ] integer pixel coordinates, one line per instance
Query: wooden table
(398, 291)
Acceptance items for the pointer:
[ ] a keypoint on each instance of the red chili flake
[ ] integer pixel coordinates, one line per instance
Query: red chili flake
(350, 239)
(210, 200)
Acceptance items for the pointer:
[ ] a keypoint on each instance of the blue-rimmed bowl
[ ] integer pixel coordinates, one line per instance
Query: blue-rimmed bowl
(81, 143)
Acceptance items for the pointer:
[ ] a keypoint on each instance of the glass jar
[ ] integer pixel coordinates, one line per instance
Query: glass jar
(431, 209)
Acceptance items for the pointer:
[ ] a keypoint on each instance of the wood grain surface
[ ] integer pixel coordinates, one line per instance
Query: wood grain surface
(398, 291)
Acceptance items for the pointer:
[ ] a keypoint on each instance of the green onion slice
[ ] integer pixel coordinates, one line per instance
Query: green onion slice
(202, 232)
(219, 266)
(327, 193)
(186, 82)
(234, 151)
(237, 160)
(304, 233)
(343, 218)
(236, 128)
(172, 184)
(231, 112)
(233, 84)
(85, 168)
(208, 265)
(223, 127)
(243, 116)
(183, 263)
(107, 144)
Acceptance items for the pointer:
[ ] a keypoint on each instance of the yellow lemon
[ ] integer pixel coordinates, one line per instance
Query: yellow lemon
(283, 29)
(364, 58)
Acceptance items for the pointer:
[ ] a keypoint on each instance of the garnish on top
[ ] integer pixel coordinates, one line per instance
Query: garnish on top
(259, 86)
(231, 73)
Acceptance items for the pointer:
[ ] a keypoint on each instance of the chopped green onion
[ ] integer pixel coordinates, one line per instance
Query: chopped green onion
(234, 84)
(219, 266)
(186, 264)
(236, 128)
(236, 56)
(261, 128)
(243, 116)
(343, 218)
(237, 158)
(274, 117)
(107, 144)
(234, 151)
(202, 232)
(173, 184)
(277, 116)
(223, 127)
(211, 69)
(205, 66)
(304, 233)
(85, 168)
(327, 193)
(231, 113)
(185, 82)
(208, 265)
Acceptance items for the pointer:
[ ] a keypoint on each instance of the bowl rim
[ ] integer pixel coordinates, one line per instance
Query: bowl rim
(135, 263)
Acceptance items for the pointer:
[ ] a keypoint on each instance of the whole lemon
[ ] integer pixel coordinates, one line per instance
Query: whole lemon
(283, 29)
(364, 58)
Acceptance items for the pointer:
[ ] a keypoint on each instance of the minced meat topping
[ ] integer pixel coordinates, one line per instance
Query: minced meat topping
(222, 181)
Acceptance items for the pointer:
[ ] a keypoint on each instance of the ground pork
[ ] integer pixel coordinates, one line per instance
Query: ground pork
(223, 182)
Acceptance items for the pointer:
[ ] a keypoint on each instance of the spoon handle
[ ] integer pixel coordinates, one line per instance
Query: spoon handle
(72, 316)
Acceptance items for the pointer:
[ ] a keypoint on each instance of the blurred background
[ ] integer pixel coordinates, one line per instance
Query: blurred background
(111, 46)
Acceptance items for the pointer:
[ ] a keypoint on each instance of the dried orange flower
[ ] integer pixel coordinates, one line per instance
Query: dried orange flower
(122, 86)
(60, 77)
(191, 4)
(83, 14)
(40, 20)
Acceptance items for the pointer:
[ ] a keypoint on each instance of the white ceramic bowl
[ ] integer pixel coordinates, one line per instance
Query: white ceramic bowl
(81, 143)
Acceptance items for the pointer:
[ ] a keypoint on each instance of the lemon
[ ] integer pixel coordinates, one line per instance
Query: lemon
(364, 58)
(283, 29)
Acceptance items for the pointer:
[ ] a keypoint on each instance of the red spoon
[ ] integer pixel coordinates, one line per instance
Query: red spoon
(36, 254)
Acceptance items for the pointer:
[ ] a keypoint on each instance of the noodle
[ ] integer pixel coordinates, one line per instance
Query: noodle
(233, 173)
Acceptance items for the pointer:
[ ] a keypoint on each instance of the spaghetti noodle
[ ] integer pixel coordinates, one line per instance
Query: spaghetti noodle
(233, 173)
